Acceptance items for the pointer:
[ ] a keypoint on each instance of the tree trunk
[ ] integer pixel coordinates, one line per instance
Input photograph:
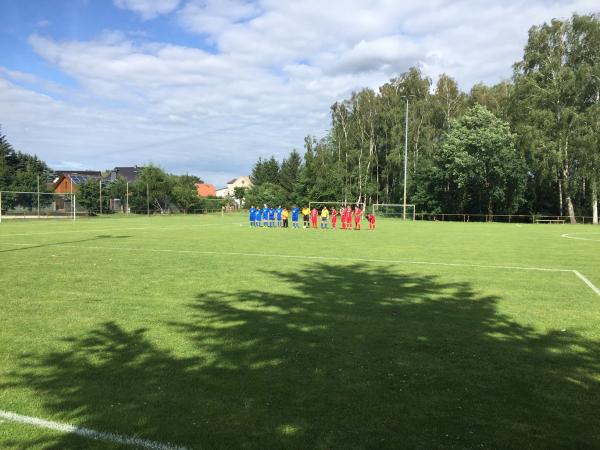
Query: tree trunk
(560, 198)
(570, 207)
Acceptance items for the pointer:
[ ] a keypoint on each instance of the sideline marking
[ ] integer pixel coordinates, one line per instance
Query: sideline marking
(569, 236)
(327, 258)
(88, 432)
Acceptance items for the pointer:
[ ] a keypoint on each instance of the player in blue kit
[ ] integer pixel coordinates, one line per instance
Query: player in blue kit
(252, 215)
(258, 217)
(278, 212)
(295, 215)
(265, 216)
(271, 217)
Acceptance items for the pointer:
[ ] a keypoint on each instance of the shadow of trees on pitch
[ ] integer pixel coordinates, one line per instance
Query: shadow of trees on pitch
(341, 357)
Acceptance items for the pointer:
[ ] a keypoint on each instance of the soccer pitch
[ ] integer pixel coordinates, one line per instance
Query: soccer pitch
(200, 332)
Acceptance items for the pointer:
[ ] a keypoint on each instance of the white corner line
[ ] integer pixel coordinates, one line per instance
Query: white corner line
(87, 432)
(586, 281)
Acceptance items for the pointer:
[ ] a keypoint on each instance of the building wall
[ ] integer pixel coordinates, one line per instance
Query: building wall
(64, 186)
(243, 181)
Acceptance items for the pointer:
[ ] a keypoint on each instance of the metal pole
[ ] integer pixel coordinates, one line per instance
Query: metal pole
(38, 196)
(405, 158)
(148, 199)
(0, 206)
(100, 183)
(74, 202)
(127, 199)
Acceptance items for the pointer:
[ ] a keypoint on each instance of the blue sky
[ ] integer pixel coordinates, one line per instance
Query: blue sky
(207, 86)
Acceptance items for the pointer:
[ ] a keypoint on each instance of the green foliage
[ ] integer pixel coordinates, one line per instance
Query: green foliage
(480, 166)
(88, 196)
(266, 193)
(21, 172)
(184, 192)
(265, 171)
(239, 192)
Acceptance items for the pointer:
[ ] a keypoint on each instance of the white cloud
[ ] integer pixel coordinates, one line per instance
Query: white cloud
(269, 79)
(212, 16)
(148, 9)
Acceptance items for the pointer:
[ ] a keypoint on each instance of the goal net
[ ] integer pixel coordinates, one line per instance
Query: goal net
(394, 210)
(37, 205)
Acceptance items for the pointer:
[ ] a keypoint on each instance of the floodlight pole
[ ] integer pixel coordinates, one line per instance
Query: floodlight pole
(38, 196)
(405, 157)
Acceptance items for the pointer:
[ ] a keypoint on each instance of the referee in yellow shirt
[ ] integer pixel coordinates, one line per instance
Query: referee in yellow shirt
(306, 214)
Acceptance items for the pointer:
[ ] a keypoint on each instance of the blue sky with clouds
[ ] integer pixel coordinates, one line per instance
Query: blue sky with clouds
(208, 86)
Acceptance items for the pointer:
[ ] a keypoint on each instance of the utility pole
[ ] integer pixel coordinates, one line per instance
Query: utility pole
(38, 196)
(405, 158)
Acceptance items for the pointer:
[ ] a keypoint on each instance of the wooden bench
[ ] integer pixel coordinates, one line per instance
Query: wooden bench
(562, 221)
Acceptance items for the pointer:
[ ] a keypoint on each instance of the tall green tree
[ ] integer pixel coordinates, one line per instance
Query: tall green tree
(184, 192)
(478, 166)
(265, 171)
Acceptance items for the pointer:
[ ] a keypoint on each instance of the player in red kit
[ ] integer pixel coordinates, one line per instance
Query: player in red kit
(334, 215)
(371, 221)
(314, 214)
(348, 218)
(357, 217)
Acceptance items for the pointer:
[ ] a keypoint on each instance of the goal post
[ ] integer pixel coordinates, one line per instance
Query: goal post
(394, 210)
(37, 205)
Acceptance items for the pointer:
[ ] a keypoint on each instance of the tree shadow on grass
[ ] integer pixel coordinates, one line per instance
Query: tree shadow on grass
(343, 357)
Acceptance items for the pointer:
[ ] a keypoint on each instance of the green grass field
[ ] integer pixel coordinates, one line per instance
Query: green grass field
(202, 333)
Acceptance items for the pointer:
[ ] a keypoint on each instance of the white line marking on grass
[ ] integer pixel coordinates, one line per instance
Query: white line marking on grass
(324, 258)
(586, 281)
(87, 432)
(570, 236)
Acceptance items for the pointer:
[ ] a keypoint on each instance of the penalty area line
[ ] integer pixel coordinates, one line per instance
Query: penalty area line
(87, 432)
(587, 281)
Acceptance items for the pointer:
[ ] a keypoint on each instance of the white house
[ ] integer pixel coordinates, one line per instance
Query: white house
(228, 191)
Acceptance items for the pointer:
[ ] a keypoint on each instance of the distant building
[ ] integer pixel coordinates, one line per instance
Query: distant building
(243, 181)
(206, 190)
(66, 181)
(229, 190)
(131, 174)
(222, 192)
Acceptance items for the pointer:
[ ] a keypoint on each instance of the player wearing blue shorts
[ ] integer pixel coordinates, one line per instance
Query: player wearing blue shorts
(258, 217)
(265, 216)
(295, 216)
(278, 212)
(252, 215)
(271, 217)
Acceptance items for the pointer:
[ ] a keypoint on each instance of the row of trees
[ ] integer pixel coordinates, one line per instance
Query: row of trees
(154, 191)
(529, 145)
